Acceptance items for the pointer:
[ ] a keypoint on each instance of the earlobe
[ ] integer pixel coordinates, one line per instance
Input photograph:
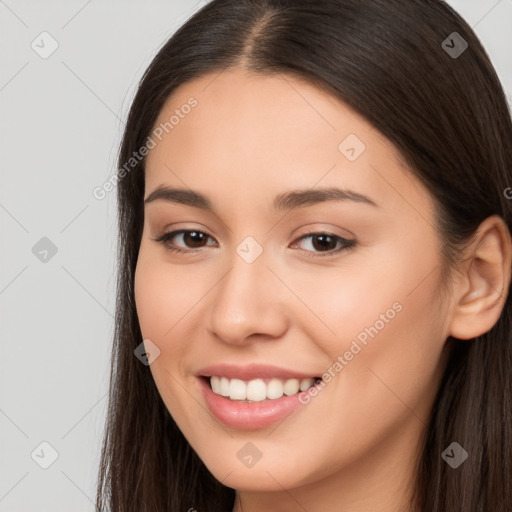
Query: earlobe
(485, 279)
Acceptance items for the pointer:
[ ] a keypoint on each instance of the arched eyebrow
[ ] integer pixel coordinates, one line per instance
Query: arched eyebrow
(286, 201)
(301, 198)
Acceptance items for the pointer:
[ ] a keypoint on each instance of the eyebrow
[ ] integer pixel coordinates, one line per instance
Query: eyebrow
(283, 202)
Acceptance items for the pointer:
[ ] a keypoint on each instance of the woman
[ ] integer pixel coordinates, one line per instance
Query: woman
(313, 304)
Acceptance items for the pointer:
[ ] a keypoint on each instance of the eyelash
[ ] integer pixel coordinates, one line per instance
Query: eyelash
(346, 244)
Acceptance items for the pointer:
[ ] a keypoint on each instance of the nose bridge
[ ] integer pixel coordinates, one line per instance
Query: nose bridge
(244, 301)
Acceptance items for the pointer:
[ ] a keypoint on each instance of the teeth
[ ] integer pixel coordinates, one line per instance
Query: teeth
(237, 389)
(306, 384)
(224, 387)
(257, 390)
(274, 389)
(291, 386)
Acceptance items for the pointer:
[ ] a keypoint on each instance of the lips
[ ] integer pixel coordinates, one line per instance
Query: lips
(241, 414)
(247, 416)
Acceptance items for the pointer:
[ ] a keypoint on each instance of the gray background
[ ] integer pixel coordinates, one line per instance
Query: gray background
(61, 122)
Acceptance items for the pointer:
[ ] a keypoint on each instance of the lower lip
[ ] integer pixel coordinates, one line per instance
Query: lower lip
(248, 416)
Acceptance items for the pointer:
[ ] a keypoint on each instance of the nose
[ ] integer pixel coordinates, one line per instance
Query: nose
(248, 303)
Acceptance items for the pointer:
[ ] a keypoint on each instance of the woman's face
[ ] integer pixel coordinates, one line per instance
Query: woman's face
(277, 271)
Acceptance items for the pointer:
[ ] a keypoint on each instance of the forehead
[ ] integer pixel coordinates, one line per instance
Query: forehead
(254, 108)
(250, 133)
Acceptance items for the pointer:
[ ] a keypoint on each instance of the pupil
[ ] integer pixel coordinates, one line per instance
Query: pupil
(323, 244)
(195, 237)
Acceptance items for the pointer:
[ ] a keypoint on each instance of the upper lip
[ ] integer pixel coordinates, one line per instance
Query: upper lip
(252, 371)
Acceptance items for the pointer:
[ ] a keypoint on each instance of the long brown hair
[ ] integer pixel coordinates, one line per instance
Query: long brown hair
(447, 115)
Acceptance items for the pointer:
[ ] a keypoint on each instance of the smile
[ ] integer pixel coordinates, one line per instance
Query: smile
(259, 389)
(254, 396)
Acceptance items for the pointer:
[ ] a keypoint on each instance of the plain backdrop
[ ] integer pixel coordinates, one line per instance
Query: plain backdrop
(60, 125)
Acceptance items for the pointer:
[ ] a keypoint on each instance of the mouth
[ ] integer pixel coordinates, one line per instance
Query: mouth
(258, 389)
(254, 396)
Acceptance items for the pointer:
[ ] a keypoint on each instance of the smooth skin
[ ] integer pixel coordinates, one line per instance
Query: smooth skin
(302, 302)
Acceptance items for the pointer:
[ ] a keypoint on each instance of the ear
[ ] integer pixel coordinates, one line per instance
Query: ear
(484, 281)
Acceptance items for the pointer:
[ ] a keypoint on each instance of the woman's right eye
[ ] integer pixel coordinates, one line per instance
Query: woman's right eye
(191, 236)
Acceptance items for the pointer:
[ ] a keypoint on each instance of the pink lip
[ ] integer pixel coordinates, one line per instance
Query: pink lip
(252, 371)
(248, 416)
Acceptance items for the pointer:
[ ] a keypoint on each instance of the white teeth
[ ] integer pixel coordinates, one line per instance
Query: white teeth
(257, 390)
(291, 386)
(275, 389)
(224, 386)
(306, 384)
(215, 382)
(237, 389)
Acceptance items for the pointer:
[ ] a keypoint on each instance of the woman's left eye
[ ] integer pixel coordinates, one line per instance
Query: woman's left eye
(328, 243)
(324, 244)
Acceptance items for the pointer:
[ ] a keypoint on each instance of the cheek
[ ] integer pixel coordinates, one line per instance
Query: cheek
(163, 300)
(150, 300)
(372, 291)
(382, 323)
(385, 353)
(163, 295)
